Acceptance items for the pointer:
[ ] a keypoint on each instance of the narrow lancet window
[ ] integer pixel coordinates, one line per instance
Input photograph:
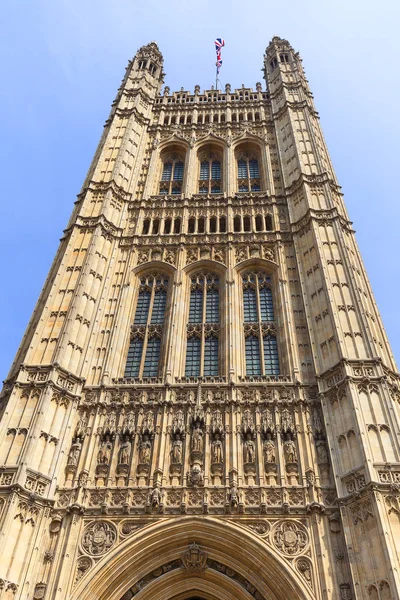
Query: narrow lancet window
(259, 325)
(146, 332)
(202, 349)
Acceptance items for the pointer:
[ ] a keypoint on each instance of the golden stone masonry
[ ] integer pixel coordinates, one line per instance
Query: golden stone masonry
(204, 405)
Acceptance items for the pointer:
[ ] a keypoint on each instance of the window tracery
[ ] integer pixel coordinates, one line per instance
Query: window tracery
(261, 346)
(248, 172)
(210, 178)
(172, 174)
(146, 332)
(202, 349)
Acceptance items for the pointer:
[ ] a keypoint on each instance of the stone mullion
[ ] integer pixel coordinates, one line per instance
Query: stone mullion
(268, 174)
(160, 451)
(260, 459)
(190, 173)
(146, 332)
(202, 325)
(177, 329)
(93, 447)
(206, 454)
(287, 324)
(260, 331)
(310, 457)
(165, 452)
(230, 174)
(233, 328)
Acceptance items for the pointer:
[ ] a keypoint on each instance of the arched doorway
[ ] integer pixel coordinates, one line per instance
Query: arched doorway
(193, 558)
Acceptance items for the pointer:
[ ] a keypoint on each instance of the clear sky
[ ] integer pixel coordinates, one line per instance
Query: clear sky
(63, 60)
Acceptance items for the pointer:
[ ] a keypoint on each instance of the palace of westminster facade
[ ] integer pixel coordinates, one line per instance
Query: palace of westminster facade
(204, 404)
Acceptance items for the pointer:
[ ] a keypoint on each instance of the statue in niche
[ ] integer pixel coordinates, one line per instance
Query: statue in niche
(73, 456)
(176, 453)
(217, 450)
(249, 449)
(124, 455)
(197, 439)
(290, 450)
(322, 455)
(104, 454)
(269, 449)
(145, 450)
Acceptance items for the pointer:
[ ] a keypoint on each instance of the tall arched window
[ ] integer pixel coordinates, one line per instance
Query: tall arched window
(202, 349)
(248, 172)
(259, 325)
(210, 177)
(172, 174)
(146, 331)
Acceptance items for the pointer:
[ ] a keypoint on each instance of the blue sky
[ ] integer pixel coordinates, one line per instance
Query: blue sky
(63, 60)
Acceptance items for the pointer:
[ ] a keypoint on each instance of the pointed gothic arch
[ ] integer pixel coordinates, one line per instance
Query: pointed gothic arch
(194, 557)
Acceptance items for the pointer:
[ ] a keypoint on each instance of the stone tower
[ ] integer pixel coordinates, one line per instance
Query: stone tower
(204, 404)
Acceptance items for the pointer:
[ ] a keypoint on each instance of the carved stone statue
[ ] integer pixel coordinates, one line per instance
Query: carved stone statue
(233, 495)
(269, 449)
(155, 497)
(217, 450)
(73, 456)
(124, 455)
(322, 455)
(197, 439)
(249, 449)
(176, 453)
(286, 420)
(104, 454)
(145, 450)
(290, 450)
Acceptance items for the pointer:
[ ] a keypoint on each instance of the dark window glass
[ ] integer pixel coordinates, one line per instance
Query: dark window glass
(250, 305)
(134, 358)
(193, 349)
(167, 172)
(178, 171)
(271, 360)
(177, 226)
(253, 168)
(212, 306)
(142, 308)
(253, 364)
(196, 306)
(204, 170)
(152, 357)
(159, 304)
(242, 169)
(211, 356)
(146, 226)
(216, 170)
(266, 305)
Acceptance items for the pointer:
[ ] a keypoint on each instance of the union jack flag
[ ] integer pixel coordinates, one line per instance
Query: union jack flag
(219, 43)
